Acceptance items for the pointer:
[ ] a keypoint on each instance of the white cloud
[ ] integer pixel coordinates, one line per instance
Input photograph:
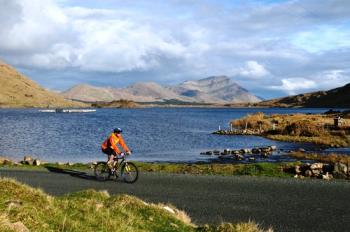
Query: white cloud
(294, 85)
(253, 69)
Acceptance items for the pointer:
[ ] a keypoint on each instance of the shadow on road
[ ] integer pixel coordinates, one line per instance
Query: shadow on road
(73, 173)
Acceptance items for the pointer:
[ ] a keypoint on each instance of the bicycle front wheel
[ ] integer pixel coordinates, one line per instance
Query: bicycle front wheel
(129, 172)
(102, 172)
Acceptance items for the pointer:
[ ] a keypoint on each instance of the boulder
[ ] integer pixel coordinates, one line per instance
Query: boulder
(209, 153)
(239, 157)
(36, 162)
(308, 173)
(227, 152)
(251, 159)
(301, 149)
(273, 148)
(316, 172)
(235, 152)
(327, 176)
(216, 152)
(340, 170)
(297, 169)
(265, 149)
(256, 150)
(27, 158)
(246, 151)
(316, 166)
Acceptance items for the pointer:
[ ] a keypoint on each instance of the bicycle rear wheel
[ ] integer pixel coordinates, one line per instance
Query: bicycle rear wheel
(102, 172)
(129, 172)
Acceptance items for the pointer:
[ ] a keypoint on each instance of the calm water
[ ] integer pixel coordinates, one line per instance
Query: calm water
(154, 134)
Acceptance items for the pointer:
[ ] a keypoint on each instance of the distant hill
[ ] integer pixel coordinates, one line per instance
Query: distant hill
(216, 89)
(16, 90)
(334, 98)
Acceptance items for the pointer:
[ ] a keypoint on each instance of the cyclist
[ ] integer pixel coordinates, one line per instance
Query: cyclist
(109, 146)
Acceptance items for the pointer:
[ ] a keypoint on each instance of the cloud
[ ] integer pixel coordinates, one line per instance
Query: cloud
(294, 85)
(253, 69)
(173, 41)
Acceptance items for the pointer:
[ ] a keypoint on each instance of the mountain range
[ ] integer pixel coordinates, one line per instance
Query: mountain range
(16, 90)
(215, 89)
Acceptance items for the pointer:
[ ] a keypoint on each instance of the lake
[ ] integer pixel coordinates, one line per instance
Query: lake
(154, 134)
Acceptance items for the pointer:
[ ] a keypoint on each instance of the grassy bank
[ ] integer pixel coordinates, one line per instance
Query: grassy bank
(251, 169)
(331, 158)
(23, 208)
(318, 129)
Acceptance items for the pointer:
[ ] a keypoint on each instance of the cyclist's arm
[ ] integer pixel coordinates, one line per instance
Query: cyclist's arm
(122, 143)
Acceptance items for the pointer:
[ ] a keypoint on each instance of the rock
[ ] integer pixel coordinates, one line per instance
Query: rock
(340, 170)
(19, 227)
(235, 152)
(301, 149)
(265, 149)
(59, 163)
(256, 150)
(316, 172)
(18, 164)
(327, 176)
(273, 148)
(227, 152)
(216, 152)
(251, 159)
(316, 166)
(29, 162)
(239, 157)
(297, 169)
(37, 162)
(246, 151)
(308, 173)
(209, 153)
(27, 158)
(7, 162)
(69, 164)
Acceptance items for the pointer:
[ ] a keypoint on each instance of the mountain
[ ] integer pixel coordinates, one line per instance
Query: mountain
(216, 89)
(334, 98)
(16, 90)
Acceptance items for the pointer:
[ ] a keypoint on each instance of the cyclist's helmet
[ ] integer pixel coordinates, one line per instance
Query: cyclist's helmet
(118, 130)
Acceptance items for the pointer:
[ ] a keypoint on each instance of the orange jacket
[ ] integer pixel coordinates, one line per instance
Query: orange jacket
(112, 141)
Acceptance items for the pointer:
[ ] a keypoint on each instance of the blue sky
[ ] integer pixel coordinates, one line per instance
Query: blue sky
(272, 48)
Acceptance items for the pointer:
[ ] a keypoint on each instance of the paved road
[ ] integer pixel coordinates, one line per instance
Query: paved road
(285, 204)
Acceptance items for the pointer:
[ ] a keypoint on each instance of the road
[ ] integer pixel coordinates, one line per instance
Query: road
(284, 204)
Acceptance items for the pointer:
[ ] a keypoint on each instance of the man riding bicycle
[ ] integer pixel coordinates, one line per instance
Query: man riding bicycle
(109, 146)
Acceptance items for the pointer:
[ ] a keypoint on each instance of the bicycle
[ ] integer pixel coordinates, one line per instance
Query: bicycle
(128, 170)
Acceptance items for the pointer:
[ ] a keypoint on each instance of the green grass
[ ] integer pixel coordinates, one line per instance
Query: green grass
(90, 210)
(253, 169)
(256, 169)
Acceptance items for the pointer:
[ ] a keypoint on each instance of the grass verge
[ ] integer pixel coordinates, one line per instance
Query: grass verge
(23, 208)
(252, 169)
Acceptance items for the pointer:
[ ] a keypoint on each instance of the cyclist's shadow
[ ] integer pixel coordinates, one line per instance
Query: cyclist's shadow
(74, 173)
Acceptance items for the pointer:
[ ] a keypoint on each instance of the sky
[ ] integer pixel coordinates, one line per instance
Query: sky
(273, 48)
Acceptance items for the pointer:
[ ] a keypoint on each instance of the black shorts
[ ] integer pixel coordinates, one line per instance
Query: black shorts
(109, 151)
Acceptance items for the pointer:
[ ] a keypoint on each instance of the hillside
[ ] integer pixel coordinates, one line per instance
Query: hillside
(16, 90)
(216, 89)
(334, 98)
